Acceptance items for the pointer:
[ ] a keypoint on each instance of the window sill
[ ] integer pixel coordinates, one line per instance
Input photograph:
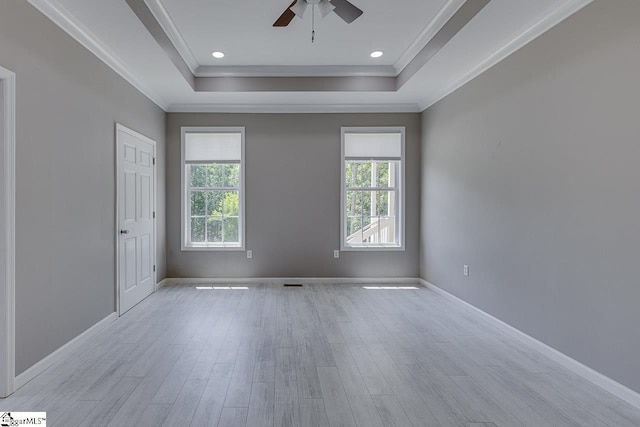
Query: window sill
(372, 248)
(230, 248)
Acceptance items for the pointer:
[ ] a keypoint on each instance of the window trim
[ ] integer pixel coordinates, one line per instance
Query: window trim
(184, 191)
(401, 190)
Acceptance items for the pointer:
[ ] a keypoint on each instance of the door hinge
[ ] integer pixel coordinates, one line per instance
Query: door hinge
(154, 268)
(154, 160)
(154, 214)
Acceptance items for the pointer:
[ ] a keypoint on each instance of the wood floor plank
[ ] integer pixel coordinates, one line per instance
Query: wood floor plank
(261, 405)
(239, 391)
(76, 413)
(212, 400)
(133, 408)
(391, 411)
(337, 406)
(429, 391)
(107, 407)
(306, 372)
(313, 413)
(516, 384)
(477, 397)
(234, 417)
(287, 402)
(153, 416)
(203, 366)
(183, 409)
(414, 406)
(374, 380)
(172, 384)
(362, 406)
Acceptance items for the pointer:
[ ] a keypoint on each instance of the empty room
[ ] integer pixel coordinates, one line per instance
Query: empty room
(319, 213)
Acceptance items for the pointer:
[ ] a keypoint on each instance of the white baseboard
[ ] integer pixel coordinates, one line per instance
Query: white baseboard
(304, 280)
(63, 351)
(562, 359)
(162, 284)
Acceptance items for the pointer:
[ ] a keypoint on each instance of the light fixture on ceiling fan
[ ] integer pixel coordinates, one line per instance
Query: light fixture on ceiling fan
(343, 8)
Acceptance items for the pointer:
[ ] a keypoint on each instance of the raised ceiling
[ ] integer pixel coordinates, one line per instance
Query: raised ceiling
(254, 41)
(167, 54)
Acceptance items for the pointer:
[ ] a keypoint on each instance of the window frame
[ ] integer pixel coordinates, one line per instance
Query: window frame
(185, 216)
(400, 232)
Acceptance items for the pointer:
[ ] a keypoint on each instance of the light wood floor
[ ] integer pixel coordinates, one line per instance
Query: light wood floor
(321, 355)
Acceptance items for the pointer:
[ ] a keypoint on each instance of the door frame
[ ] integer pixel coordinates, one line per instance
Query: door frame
(7, 277)
(116, 231)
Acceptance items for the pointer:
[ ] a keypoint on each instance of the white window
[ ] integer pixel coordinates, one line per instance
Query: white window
(212, 188)
(372, 199)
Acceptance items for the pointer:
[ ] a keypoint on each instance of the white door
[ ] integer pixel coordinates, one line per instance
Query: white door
(136, 222)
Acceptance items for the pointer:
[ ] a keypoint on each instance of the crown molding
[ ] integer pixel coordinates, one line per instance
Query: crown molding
(72, 26)
(160, 12)
(559, 14)
(442, 17)
(296, 71)
(294, 108)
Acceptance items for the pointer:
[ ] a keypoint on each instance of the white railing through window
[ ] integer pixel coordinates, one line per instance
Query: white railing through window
(379, 231)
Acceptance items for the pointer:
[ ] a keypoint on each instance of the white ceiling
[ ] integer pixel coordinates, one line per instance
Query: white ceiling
(242, 29)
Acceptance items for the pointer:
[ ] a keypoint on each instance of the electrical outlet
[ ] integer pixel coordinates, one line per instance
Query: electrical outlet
(249, 254)
(465, 270)
(336, 254)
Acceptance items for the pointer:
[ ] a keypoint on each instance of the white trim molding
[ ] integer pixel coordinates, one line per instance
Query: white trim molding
(294, 108)
(562, 359)
(442, 17)
(160, 12)
(162, 284)
(553, 18)
(8, 278)
(53, 10)
(301, 280)
(64, 351)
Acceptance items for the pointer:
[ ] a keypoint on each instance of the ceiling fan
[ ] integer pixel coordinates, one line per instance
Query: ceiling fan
(343, 8)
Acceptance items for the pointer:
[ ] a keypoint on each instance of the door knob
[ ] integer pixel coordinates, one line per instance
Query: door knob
(124, 231)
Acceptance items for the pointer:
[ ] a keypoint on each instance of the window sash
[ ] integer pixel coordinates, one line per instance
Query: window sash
(207, 217)
(373, 192)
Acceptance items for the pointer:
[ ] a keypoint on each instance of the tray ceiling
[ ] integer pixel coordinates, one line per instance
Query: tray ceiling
(168, 56)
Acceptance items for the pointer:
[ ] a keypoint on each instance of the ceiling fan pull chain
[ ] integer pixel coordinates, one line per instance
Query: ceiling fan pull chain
(313, 23)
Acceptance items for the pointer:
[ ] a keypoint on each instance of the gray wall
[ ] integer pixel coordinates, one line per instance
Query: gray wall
(530, 175)
(292, 199)
(68, 102)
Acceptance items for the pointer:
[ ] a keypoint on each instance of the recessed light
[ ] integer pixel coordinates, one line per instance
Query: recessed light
(377, 54)
(218, 55)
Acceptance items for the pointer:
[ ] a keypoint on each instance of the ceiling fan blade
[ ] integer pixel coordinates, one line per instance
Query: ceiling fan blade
(346, 10)
(286, 17)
